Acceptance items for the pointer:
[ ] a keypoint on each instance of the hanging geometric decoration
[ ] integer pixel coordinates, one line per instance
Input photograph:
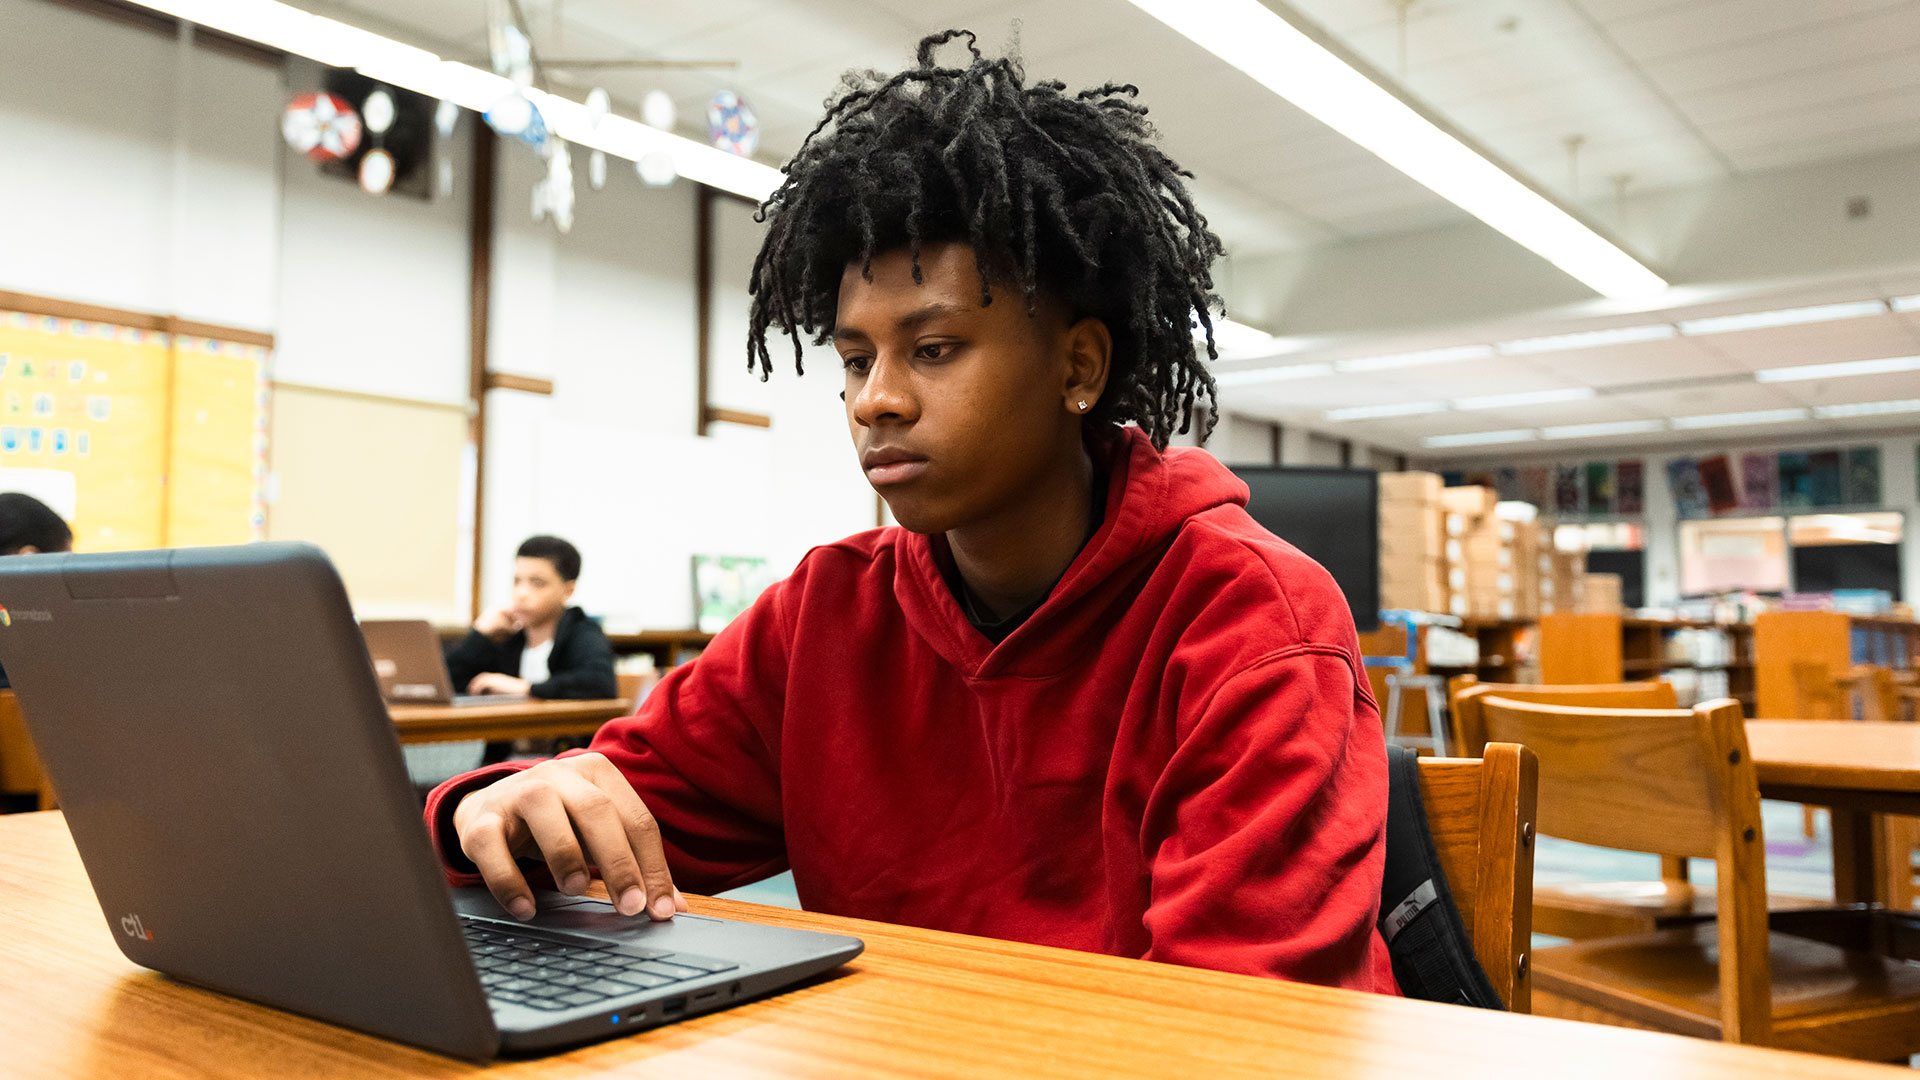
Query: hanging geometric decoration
(658, 111)
(598, 106)
(516, 117)
(732, 125)
(321, 125)
(554, 195)
(445, 116)
(376, 172)
(656, 168)
(377, 111)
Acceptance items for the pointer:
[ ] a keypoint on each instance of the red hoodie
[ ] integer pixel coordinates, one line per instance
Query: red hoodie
(1175, 757)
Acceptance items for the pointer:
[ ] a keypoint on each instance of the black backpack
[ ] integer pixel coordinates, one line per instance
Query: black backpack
(1432, 957)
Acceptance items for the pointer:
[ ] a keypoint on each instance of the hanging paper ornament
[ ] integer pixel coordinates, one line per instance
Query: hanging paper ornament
(658, 111)
(516, 117)
(554, 195)
(322, 126)
(597, 170)
(377, 112)
(598, 106)
(732, 125)
(509, 50)
(446, 178)
(445, 115)
(656, 168)
(376, 172)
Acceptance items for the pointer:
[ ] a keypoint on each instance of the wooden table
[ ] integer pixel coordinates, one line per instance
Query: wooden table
(511, 720)
(918, 1003)
(1857, 768)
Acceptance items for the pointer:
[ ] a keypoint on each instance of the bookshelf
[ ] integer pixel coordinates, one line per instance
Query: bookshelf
(1580, 649)
(1833, 638)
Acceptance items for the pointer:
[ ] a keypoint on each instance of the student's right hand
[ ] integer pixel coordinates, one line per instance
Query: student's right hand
(498, 624)
(547, 812)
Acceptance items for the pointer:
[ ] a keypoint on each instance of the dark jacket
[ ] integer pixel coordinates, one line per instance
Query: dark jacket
(580, 666)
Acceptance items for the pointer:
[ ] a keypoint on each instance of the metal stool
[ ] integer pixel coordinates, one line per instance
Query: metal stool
(1435, 686)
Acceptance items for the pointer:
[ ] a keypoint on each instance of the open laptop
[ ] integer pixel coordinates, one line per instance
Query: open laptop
(412, 669)
(212, 727)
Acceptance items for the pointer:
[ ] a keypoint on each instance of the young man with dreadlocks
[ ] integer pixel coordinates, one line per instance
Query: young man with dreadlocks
(1078, 697)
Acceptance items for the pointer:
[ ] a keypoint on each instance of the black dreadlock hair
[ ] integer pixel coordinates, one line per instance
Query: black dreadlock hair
(1068, 192)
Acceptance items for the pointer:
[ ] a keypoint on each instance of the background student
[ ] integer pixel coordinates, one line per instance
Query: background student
(539, 646)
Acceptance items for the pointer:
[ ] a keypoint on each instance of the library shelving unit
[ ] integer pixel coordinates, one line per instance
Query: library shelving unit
(1595, 648)
(1833, 638)
(1503, 651)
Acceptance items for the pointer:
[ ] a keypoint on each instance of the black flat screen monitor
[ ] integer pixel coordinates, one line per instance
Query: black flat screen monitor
(1333, 515)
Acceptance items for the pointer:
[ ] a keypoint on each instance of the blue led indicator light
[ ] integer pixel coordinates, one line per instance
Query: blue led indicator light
(614, 1019)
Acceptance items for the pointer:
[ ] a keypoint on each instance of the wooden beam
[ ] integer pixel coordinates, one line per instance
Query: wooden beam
(734, 416)
(526, 384)
(28, 304)
(702, 302)
(479, 294)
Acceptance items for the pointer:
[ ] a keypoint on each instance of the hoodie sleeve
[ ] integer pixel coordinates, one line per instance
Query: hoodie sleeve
(702, 752)
(1266, 832)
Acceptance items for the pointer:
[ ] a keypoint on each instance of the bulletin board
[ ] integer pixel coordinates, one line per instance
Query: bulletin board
(164, 434)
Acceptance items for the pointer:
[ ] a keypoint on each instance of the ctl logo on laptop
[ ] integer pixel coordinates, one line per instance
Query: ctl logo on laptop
(130, 926)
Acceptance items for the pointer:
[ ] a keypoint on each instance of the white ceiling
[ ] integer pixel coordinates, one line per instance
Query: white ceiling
(1665, 93)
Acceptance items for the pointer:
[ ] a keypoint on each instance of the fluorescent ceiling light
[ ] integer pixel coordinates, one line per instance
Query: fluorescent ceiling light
(1479, 438)
(1883, 366)
(1375, 412)
(1760, 320)
(1740, 419)
(1586, 339)
(1905, 303)
(337, 44)
(1867, 408)
(1612, 427)
(1258, 41)
(1529, 397)
(1416, 359)
(1272, 374)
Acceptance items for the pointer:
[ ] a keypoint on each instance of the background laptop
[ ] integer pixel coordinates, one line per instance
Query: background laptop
(411, 665)
(212, 727)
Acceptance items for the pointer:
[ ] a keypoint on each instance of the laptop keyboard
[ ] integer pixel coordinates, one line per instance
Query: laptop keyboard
(554, 971)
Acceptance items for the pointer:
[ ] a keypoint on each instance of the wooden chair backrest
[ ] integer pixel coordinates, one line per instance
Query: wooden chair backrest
(1817, 693)
(1467, 691)
(1874, 686)
(1669, 781)
(1480, 813)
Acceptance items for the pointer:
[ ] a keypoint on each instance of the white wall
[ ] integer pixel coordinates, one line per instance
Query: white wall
(137, 174)
(611, 460)
(1899, 490)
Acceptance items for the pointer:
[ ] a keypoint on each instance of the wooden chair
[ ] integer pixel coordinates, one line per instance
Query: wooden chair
(20, 772)
(1480, 813)
(1600, 908)
(1681, 783)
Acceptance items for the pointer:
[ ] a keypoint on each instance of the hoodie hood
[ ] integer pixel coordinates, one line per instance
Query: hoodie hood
(1151, 495)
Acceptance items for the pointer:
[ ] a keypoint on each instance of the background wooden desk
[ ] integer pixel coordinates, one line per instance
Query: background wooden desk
(918, 1003)
(511, 720)
(1857, 768)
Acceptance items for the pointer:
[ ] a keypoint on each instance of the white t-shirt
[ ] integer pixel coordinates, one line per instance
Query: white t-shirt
(533, 662)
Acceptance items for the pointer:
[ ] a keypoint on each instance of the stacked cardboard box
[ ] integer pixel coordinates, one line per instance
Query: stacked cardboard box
(1479, 555)
(1529, 539)
(1412, 542)
(1561, 576)
(1600, 595)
